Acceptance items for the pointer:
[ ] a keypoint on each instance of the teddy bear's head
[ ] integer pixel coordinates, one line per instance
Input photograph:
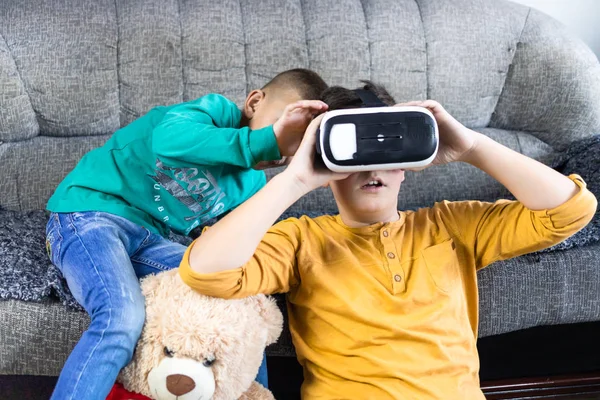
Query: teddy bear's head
(195, 347)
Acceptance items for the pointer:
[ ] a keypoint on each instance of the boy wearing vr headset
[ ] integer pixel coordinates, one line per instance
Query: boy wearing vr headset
(383, 303)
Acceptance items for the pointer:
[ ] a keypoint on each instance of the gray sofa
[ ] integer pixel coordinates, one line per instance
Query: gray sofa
(72, 72)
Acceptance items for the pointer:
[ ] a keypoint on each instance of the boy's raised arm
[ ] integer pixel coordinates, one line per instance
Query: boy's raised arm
(200, 132)
(535, 185)
(232, 242)
(550, 208)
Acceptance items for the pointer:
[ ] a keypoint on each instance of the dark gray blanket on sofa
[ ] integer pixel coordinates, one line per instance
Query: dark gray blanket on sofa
(27, 274)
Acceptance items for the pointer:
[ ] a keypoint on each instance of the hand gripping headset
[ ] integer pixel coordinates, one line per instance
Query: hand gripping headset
(377, 137)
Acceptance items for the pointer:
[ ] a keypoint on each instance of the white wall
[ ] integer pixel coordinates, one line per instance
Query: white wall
(581, 16)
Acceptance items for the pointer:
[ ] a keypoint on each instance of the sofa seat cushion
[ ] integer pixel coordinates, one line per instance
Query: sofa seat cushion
(540, 289)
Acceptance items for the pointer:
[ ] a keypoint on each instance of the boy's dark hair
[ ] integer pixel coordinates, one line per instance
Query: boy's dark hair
(307, 83)
(337, 97)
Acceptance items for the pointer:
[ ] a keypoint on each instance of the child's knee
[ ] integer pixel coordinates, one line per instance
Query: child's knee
(134, 317)
(123, 321)
(130, 318)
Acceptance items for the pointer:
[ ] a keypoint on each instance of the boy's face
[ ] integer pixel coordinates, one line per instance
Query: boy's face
(263, 108)
(369, 197)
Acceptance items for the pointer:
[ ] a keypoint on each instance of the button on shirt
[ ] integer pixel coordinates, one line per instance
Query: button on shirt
(389, 311)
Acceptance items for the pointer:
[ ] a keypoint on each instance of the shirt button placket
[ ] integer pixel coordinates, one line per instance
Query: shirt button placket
(393, 261)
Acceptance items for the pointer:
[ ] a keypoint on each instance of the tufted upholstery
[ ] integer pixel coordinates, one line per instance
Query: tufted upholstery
(72, 72)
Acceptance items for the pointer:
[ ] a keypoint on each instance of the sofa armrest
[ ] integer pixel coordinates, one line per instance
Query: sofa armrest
(552, 88)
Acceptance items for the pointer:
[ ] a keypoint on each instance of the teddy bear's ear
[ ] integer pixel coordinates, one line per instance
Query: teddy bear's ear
(150, 284)
(271, 314)
(157, 287)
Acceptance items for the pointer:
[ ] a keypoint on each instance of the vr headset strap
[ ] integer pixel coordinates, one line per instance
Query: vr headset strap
(369, 99)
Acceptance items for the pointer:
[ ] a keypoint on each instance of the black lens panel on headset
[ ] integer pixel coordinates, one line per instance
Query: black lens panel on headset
(385, 138)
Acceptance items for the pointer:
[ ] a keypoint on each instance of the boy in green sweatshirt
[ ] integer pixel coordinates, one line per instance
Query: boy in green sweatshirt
(172, 169)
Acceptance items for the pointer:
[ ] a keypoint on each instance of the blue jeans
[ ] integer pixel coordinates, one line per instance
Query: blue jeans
(102, 256)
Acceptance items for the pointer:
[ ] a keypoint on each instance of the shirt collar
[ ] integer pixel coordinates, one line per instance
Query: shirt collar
(369, 229)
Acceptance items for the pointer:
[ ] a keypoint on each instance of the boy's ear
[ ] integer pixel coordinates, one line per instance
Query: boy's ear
(252, 102)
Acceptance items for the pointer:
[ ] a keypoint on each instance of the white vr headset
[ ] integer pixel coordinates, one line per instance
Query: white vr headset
(377, 137)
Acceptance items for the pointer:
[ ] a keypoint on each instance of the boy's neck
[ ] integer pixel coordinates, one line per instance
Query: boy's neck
(360, 221)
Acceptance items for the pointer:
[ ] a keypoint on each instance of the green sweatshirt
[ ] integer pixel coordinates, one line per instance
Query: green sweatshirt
(174, 168)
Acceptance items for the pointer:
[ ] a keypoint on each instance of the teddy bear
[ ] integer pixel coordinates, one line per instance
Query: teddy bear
(195, 347)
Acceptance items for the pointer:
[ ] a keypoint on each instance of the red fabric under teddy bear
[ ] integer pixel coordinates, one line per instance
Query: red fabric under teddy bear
(118, 392)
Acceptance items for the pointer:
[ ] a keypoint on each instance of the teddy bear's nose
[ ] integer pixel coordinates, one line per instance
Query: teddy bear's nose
(180, 384)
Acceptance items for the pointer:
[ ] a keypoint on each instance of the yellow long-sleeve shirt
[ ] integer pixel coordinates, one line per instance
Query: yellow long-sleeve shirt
(389, 311)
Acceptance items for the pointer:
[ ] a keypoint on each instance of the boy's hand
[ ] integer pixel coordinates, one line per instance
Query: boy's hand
(456, 141)
(302, 168)
(290, 127)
